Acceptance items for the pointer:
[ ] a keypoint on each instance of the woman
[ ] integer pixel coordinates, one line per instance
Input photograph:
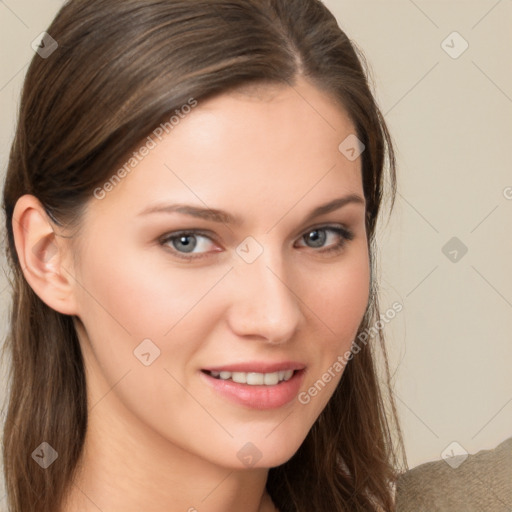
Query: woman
(191, 204)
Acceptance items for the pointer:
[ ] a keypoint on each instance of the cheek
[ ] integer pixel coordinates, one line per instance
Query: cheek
(341, 298)
(129, 296)
(125, 302)
(339, 304)
(130, 289)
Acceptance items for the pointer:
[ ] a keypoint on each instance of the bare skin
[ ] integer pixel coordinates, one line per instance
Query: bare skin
(160, 438)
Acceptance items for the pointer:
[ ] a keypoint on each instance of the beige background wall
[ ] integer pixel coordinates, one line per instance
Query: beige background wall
(452, 122)
(451, 119)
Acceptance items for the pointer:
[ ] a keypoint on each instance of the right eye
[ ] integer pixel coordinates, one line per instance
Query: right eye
(184, 244)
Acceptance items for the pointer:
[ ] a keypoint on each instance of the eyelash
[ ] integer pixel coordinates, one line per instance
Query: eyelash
(344, 234)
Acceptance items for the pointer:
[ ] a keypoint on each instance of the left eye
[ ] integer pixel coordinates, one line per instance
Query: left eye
(318, 237)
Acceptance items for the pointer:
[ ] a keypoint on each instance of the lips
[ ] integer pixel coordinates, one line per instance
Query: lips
(269, 395)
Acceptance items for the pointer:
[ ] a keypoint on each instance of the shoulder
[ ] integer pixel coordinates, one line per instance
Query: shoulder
(481, 482)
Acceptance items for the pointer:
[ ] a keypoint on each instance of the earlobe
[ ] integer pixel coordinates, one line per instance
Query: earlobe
(41, 252)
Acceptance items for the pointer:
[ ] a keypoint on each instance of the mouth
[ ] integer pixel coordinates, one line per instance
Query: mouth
(255, 390)
(253, 378)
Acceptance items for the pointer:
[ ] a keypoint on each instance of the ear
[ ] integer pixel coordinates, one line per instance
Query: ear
(42, 254)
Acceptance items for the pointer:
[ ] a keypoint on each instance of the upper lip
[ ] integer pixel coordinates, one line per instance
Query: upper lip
(257, 367)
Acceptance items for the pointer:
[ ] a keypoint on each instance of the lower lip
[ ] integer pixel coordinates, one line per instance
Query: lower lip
(258, 397)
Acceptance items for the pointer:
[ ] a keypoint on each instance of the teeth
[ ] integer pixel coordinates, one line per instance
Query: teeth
(253, 378)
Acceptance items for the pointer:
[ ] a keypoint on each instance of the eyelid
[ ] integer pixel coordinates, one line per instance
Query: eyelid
(343, 231)
(192, 231)
(323, 225)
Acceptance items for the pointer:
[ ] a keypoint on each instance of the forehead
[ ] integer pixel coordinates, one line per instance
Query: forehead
(247, 150)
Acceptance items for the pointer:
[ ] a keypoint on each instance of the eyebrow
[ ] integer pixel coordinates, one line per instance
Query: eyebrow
(224, 217)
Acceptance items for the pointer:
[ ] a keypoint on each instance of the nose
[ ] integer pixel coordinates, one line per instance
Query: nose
(264, 304)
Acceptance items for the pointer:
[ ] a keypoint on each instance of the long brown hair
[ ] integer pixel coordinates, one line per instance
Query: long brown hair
(121, 67)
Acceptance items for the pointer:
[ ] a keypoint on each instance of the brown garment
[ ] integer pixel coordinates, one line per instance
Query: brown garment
(482, 483)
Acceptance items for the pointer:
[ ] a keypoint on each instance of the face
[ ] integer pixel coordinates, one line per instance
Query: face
(210, 329)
